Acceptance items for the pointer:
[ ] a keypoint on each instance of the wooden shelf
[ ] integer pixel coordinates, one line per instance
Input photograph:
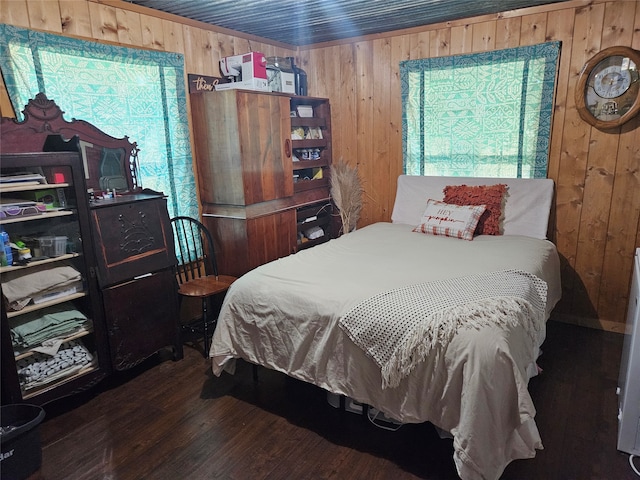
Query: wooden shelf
(314, 242)
(76, 335)
(308, 122)
(36, 263)
(32, 392)
(315, 143)
(40, 306)
(302, 164)
(17, 187)
(42, 216)
(302, 185)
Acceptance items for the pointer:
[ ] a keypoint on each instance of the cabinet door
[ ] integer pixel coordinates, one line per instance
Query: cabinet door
(142, 318)
(132, 238)
(243, 146)
(244, 243)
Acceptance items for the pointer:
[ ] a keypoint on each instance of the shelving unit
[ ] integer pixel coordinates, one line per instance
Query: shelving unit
(122, 247)
(311, 217)
(253, 191)
(306, 169)
(74, 220)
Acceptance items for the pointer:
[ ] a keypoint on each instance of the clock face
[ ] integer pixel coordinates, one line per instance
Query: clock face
(608, 92)
(611, 82)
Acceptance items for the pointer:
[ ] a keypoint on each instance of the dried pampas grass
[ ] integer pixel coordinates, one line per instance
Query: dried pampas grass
(346, 191)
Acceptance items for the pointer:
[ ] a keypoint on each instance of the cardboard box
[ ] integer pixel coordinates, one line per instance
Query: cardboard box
(49, 197)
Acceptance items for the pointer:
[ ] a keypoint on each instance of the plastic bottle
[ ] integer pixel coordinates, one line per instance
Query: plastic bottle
(8, 255)
(300, 78)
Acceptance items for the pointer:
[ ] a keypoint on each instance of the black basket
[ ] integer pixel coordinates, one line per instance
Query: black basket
(20, 440)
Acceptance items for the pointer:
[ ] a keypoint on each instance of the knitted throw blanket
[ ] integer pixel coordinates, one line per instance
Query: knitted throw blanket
(399, 328)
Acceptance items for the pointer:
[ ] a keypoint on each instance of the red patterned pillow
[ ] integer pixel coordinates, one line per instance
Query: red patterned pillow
(492, 196)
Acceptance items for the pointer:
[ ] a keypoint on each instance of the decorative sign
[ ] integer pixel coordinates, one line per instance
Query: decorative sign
(203, 83)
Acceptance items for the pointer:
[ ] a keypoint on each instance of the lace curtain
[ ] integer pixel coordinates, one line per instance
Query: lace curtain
(122, 91)
(479, 115)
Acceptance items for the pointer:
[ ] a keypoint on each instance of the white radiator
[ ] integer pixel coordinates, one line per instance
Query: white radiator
(629, 381)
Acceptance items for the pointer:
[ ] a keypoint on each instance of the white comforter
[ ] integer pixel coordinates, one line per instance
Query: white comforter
(284, 315)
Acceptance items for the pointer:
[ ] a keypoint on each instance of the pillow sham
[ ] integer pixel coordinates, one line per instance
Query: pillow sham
(441, 218)
(492, 196)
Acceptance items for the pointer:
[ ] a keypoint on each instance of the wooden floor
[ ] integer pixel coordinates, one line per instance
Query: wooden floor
(175, 420)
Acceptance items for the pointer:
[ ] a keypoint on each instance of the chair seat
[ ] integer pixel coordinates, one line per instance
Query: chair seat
(206, 286)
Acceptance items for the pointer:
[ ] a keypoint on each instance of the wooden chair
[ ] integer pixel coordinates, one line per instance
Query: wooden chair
(197, 273)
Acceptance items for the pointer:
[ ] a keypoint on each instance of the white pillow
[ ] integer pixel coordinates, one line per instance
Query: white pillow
(526, 211)
(457, 221)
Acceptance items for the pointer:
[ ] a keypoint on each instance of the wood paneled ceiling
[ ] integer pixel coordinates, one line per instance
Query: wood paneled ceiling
(306, 22)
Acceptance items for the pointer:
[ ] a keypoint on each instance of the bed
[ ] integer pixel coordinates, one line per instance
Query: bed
(421, 326)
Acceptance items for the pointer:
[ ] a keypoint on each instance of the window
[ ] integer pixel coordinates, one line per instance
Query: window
(479, 115)
(122, 91)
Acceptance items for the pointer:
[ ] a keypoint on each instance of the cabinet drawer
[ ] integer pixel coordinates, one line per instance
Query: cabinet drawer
(142, 318)
(133, 238)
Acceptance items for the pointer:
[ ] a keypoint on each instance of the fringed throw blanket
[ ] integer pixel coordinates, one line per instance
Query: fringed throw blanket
(400, 327)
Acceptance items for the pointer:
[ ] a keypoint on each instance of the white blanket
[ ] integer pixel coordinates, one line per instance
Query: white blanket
(400, 328)
(284, 315)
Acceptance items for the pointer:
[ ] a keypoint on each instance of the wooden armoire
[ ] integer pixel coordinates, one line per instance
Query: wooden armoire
(263, 168)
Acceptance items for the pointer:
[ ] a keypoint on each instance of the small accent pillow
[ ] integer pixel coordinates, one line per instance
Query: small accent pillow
(458, 221)
(493, 196)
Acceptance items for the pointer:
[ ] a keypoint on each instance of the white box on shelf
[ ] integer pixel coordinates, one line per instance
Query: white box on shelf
(52, 246)
(305, 111)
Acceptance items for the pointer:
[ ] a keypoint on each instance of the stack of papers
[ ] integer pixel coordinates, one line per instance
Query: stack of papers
(23, 179)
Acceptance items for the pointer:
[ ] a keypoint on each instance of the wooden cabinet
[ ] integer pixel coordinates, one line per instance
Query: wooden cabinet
(122, 247)
(252, 177)
(135, 270)
(243, 151)
(50, 296)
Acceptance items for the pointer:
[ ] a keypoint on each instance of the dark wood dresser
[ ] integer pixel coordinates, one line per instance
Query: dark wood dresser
(135, 269)
(123, 247)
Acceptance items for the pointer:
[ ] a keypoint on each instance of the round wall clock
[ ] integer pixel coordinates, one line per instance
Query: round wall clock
(608, 90)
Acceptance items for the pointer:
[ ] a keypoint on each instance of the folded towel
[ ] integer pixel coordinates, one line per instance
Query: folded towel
(26, 286)
(33, 328)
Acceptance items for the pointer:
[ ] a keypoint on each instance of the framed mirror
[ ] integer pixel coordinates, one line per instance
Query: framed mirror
(109, 163)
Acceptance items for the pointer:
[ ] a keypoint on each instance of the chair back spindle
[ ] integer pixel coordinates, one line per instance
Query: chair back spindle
(197, 273)
(194, 249)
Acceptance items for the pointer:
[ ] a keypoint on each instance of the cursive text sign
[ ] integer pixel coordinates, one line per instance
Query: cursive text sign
(204, 83)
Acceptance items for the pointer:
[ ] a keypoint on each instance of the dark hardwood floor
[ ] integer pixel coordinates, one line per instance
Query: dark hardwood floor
(175, 420)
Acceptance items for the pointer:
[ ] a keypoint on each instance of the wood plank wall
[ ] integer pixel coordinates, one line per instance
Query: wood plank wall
(597, 209)
(597, 174)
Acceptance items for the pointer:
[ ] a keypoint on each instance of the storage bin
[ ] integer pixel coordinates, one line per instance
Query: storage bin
(52, 246)
(20, 440)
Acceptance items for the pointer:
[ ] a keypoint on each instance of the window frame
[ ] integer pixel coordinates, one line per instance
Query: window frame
(539, 150)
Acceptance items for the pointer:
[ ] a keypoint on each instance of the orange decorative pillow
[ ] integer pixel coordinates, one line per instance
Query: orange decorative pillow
(492, 196)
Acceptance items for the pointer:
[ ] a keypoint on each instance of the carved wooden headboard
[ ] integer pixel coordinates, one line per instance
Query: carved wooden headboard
(109, 162)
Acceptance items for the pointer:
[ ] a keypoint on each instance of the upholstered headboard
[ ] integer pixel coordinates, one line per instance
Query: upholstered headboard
(526, 211)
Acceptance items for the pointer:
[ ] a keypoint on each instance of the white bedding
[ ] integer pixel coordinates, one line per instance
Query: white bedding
(284, 315)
